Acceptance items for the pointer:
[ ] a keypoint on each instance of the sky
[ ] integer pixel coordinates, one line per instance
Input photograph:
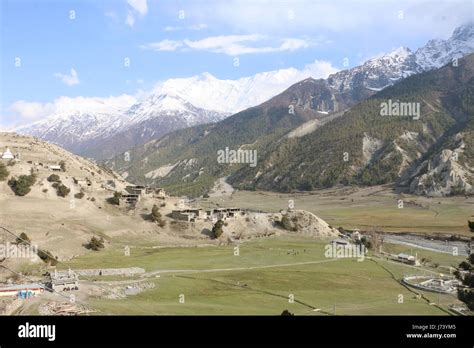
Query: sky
(118, 49)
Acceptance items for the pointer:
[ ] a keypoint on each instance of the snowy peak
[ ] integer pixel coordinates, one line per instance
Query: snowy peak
(376, 73)
(437, 53)
(464, 33)
(170, 106)
(231, 96)
(380, 72)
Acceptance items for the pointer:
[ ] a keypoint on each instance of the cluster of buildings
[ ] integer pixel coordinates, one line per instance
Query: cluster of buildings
(58, 281)
(133, 193)
(192, 215)
(52, 167)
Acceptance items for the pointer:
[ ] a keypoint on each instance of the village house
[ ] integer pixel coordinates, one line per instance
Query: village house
(224, 213)
(55, 168)
(82, 182)
(405, 258)
(146, 191)
(63, 281)
(190, 215)
(129, 199)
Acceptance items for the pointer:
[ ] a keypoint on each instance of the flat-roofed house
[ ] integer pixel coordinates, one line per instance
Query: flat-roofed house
(55, 168)
(405, 258)
(189, 215)
(64, 281)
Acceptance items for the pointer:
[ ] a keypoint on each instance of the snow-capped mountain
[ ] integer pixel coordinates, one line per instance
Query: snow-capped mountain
(378, 73)
(100, 128)
(111, 130)
(231, 96)
(72, 121)
(437, 53)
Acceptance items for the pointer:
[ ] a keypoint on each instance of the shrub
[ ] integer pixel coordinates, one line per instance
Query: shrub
(466, 266)
(467, 295)
(217, 229)
(23, 239)
(95, 244)
(155, 216)
(115, 200)
(45, 190)
(62, 164)
(47, 257)
(93, 199)
(470, 223)
(3, 172)
(62, 190)
(22, 185)
(54, 178)
(79, 195)
(367, 243)
(287, 224)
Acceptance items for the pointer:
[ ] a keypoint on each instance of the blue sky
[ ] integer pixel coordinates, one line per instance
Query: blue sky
(82, 53)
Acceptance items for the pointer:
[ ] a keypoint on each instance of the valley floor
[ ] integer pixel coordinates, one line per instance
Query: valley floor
(264, 276)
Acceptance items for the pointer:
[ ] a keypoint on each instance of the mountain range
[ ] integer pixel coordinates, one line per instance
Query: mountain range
(329, 139)
(102, 131)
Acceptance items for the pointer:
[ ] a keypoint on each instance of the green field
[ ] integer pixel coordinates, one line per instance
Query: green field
(261, 279)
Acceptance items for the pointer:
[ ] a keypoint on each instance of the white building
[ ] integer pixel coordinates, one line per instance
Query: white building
(55, 168)
(7, 154)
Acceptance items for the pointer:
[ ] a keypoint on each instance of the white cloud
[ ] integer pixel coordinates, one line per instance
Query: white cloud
(318, 69)
(27, 112)
(139, 6)
(429, 18)
(130, 21)
(189, 27)
(232, 45)
(70, 80)
(164, 45)
(111, 14)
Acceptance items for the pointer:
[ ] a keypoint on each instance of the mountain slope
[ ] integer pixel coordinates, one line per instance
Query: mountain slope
(365, 148)
(176, 160)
